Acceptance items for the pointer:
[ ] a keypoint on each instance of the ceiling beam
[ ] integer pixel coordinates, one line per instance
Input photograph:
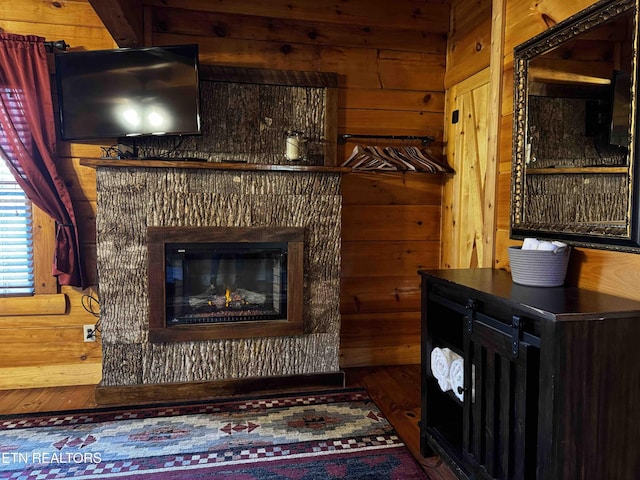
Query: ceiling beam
(123, 19)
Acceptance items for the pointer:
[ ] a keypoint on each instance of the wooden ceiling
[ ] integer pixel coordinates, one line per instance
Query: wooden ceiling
(125, 19)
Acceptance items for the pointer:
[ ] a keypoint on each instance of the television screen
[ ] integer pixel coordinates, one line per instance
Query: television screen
(128, 92)
(620, 109)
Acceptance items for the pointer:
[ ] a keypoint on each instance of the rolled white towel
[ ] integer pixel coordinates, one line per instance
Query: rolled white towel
(561, 248)
(547, 246)
(456, 375)
(530, 244)
(441, 359)
(456, 378)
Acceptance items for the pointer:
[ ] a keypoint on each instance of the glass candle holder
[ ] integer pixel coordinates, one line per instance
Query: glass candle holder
(294, 146)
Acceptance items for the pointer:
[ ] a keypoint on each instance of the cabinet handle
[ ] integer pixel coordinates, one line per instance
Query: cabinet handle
(516, 330)
(471, 313)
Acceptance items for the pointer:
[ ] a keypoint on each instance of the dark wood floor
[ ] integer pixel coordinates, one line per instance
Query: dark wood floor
(395, 389)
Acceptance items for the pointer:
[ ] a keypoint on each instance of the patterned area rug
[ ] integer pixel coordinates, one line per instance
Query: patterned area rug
(319, 435)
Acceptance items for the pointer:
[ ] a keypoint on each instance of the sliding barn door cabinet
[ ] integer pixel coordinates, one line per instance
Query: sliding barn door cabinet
(551, 379)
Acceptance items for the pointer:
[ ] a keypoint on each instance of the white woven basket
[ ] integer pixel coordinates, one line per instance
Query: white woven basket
(539, 268)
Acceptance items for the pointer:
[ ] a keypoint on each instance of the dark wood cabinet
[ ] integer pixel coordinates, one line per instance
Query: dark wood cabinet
(551, 379)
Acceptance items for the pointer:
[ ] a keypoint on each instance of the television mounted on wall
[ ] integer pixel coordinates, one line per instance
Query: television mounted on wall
(620, 109)
(128, 92)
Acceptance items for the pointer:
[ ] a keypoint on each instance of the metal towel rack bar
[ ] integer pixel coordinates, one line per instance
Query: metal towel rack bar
(425, 139)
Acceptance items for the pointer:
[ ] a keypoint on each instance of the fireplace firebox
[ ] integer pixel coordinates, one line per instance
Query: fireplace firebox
(224, 282)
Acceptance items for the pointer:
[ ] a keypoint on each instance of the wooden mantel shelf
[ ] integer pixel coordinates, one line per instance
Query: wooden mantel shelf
(237, 166)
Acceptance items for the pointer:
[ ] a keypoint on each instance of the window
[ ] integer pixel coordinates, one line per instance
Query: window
(16, 242)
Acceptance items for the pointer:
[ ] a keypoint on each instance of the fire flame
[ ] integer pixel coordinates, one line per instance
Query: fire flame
(227, 295)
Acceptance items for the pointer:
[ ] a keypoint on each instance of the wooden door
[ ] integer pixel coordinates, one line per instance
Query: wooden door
(467, 217)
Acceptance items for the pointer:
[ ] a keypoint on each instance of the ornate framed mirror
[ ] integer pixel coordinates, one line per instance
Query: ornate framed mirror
(575, 125)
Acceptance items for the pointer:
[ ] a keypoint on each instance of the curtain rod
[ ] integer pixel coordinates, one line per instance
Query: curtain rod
(58, 44)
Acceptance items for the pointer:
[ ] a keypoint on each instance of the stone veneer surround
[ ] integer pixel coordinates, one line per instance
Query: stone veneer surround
(131, 199)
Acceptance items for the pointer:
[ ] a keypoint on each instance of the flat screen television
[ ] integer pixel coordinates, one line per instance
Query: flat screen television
(620, 109)
(128, 92)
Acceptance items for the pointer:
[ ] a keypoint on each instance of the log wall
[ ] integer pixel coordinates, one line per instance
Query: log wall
(390, 229)
(390, 61)
(45, 347)
(606, 271)
(390, 58)
(391, 67)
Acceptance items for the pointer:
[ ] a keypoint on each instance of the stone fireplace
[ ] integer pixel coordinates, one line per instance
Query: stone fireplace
(246, 243)
(134, 202)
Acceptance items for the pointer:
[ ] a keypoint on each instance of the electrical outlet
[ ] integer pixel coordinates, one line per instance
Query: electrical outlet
(89, 333)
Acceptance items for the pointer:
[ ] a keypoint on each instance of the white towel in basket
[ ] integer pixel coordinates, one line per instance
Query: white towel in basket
(535, 244)
(441, 359)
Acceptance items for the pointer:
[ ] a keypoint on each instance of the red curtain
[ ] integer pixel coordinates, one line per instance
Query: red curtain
(28, 143)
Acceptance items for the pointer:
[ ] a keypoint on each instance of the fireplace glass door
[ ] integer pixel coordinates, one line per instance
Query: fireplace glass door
(225, 282)
(213, 283)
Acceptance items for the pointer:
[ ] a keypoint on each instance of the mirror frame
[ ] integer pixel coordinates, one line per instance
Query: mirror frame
(591, 237)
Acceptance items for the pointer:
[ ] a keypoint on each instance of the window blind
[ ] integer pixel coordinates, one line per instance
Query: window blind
(16, 232)
(16, 243)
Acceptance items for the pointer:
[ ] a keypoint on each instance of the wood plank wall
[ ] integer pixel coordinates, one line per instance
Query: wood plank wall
(390, 57)
(48, 349)
(469, 46)
(610, 272)
(390, 229)
(522, 22)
